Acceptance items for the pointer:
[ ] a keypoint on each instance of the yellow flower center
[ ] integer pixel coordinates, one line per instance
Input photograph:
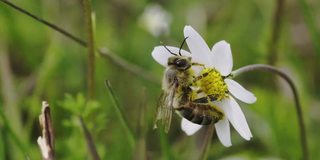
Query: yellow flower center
(211, 83)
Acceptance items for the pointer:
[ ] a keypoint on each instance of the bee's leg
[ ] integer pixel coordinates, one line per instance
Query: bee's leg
(197, 64)
(206, 99)
(196, 79)
(199, 91)
(212, 98)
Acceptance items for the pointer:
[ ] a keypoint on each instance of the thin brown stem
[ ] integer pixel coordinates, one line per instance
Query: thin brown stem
(90, 45)
(302, 128)
(45, 22)
(130, 67)
(90, 142)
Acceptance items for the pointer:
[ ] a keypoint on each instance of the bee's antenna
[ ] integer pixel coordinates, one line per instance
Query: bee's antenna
(168, 49)
(182, 45)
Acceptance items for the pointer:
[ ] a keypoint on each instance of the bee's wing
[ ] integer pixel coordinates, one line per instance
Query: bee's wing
(165, 109)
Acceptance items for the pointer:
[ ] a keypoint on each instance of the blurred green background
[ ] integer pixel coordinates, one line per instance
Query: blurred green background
(38, 63)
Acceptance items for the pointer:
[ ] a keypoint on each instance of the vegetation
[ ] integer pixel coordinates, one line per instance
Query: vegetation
(113, 119)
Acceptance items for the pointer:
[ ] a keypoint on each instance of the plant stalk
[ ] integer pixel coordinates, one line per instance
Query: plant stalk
(302, 128)
(89, 139)
(130, 67)
(51, 25)
(206, 142)
(119, 112)
(90, 46)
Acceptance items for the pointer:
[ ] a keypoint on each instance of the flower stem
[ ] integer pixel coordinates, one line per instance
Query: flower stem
(262, 67)
(90, 45)
(206, 142)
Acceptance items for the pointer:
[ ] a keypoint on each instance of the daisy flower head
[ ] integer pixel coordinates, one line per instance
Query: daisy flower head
(213, 78)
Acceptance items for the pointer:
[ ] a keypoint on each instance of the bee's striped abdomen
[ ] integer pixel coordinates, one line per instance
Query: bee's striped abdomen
(200, 113)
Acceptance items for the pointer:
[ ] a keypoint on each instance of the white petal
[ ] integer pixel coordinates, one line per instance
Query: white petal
(236, 117)
(223, 132)
(221, 57)
(240, 122)
(239, 92)
(161, 54)
(198, 47)
(188, 127)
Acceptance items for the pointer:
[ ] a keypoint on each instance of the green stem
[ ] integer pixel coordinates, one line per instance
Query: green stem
(141, 150)
(302, 128)
(276, 26)
(10, 97)
(86, 5)
(7, 127)
(121, 116)
(206, 142)
(90, 45)
(165, 147)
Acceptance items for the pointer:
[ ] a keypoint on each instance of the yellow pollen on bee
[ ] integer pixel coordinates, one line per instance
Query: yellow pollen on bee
(212, 83)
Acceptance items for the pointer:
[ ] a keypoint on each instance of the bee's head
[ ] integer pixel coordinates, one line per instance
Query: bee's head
(180, 62)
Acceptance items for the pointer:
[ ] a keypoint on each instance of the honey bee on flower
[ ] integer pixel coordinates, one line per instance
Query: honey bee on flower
(198, 86)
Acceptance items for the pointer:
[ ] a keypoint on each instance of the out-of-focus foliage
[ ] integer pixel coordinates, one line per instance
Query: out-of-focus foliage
(38, 64)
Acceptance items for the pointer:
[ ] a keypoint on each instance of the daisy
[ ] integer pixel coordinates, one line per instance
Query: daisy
(218, 61)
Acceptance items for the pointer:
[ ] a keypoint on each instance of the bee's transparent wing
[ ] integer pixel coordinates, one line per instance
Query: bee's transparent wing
(165, 109)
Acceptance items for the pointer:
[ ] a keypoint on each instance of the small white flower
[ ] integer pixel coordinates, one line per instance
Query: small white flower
(220, 59)
(156, 20)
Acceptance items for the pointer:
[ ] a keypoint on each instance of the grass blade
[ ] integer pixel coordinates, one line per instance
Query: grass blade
(140, 150)
(120, 115)
(165, 147)
(7, 127)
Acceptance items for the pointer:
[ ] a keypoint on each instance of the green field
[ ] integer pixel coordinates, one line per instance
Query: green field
(66, 54)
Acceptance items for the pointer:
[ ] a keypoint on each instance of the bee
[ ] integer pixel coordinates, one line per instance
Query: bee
(178, 94)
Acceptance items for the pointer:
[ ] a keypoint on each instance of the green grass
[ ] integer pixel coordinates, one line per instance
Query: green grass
(46, 65)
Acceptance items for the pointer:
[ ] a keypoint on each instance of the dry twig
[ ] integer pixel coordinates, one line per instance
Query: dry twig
(46, 142)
